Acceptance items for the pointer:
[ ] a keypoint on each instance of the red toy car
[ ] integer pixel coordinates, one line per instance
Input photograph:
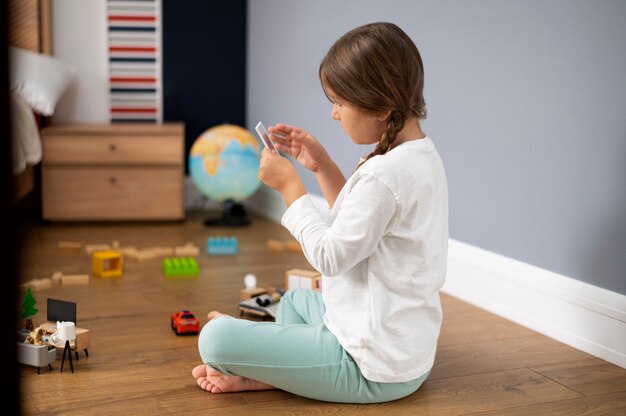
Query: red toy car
(185, 322)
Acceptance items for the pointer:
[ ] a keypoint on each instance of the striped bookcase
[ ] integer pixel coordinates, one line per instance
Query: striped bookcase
(135, 60)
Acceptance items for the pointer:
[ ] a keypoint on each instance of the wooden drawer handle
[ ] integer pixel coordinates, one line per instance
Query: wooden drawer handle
(113, 180)
(112, 147)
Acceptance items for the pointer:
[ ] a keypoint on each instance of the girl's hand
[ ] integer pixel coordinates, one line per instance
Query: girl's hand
(300, 145)
(279, 173)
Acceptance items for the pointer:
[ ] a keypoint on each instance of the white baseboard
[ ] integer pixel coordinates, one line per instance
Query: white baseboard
(575, 313)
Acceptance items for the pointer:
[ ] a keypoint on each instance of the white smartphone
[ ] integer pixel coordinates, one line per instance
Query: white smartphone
(265, 137)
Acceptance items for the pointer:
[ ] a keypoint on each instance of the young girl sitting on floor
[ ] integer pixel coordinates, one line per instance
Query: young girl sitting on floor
(371, 335)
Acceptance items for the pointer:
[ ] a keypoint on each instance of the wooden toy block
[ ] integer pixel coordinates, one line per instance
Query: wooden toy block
(56, 277)
(140, 255)
(37, 284)
(106, 263)
(251, 292)
(91, 248)
(159, 251)
(125, 250)
(293, 246)
(115, 245)
(275, 245)
(303, 279)
(187, 250)
(70, 246)
(131, 253)
(75, 279)
(143, 255)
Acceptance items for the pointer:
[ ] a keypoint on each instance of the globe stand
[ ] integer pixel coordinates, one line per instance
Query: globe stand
(233, 215)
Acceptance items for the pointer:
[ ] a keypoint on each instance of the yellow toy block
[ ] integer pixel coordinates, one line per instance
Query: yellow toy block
(106, 263)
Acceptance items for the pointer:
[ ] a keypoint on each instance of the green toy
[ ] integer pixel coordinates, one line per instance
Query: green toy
(180, 266)
(29, 309)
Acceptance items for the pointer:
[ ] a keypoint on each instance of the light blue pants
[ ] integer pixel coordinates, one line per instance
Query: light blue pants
(297, 354)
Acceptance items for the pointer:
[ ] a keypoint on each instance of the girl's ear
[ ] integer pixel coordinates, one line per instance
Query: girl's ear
(384, 116)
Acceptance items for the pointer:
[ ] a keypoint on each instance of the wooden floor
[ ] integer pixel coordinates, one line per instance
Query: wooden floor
(485, 365)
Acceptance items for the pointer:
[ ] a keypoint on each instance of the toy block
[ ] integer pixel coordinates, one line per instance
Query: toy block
(133, 253)
(251, 292)
(124, 251)
(303, 279)
(91, 248)
(70, 246)
(115, 245)
(275, 245)
(75, 279)
(187, 250)
(293, 246)
(159, 251)
(37, 284)
(106, 263)
(56, 277)
(180, 266)
(143, 255)
(224, 246)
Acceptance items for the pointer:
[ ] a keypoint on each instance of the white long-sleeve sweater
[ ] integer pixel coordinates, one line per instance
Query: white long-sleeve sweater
(382, 252)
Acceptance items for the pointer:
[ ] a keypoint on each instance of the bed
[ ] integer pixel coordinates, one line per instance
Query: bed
(29, 29)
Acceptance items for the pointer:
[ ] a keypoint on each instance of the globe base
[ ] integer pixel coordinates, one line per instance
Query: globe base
(233, 215)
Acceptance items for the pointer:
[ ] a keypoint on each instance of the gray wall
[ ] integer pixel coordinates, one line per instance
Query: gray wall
(526, 104)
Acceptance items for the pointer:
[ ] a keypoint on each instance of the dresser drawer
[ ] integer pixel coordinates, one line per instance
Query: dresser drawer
(113, 149)
(112, 193)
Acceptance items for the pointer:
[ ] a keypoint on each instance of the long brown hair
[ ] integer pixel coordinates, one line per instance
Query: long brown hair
(377, 68)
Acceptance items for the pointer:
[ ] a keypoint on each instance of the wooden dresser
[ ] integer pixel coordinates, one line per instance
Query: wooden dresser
(113, 172)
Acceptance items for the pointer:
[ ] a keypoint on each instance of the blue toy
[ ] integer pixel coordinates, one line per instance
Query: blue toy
(222, 246)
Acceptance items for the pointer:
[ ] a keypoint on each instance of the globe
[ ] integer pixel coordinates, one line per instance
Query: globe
(224, 166)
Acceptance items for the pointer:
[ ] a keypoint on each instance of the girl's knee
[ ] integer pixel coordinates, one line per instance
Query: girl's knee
(214, 340)
(297, 296)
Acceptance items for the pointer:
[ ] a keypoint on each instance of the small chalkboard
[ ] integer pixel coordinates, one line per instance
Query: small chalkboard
(61, 310)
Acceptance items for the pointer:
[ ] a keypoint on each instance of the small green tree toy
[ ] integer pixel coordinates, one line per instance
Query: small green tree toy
(29, 309)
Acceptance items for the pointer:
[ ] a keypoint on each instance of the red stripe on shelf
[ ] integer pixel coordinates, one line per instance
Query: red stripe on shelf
(119, 79)
(132, 49)
(133, 18)
(133, 110)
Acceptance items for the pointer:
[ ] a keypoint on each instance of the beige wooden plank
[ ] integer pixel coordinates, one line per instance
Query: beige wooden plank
(604, 405)
(589, 377)
(488, 356)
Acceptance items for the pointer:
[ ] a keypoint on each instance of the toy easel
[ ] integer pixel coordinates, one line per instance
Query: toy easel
(67, 350)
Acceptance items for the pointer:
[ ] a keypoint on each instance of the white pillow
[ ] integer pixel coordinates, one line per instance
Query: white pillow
(39, 79)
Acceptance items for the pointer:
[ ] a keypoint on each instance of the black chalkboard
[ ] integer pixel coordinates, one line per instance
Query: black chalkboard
(61, 310)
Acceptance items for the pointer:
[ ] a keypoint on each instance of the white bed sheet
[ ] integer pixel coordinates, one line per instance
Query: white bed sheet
(26, 141)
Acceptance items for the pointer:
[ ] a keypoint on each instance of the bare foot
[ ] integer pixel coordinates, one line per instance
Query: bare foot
(215, 314)
(213, 381)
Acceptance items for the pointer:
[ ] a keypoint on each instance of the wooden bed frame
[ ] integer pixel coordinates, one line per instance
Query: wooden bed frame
(29, 28)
